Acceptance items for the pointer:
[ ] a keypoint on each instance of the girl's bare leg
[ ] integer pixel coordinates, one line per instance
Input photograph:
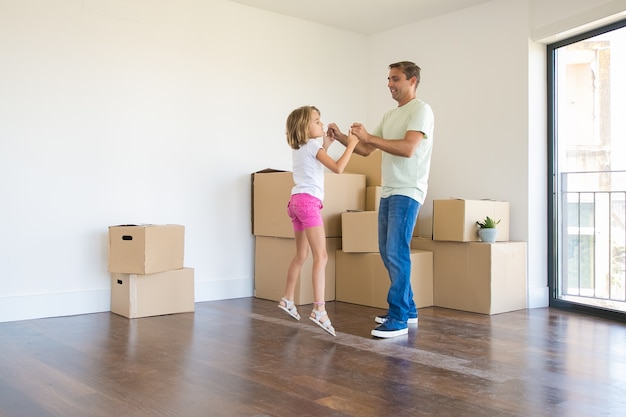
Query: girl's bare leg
(295, 267)
(317, 241)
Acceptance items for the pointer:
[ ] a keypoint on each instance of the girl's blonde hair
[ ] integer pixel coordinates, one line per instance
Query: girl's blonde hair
(298, 126)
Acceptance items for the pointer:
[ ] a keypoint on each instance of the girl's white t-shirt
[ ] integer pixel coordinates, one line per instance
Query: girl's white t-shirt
(308, 172)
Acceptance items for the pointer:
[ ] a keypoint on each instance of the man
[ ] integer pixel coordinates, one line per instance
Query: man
(405, 136)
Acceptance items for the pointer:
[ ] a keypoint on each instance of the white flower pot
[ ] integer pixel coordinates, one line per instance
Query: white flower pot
(488, 235)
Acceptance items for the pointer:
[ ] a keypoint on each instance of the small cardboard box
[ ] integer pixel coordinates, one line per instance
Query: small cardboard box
(360, 231)
(370, 166)
(146, 249)
(271, 191)
(169, 292)
(361, 278)
(487, 278)
(455, 219)
(272, 258)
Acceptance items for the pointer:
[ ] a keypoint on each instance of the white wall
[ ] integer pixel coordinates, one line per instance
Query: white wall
(157, 112)
(473, 84)
(557, 19)
(147, 112)
(485, 79)
(475, 71)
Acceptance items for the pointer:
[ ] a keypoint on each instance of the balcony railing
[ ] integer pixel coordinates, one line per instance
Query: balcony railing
(593, 238)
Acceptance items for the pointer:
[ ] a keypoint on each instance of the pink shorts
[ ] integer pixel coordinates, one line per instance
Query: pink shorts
(305, 211)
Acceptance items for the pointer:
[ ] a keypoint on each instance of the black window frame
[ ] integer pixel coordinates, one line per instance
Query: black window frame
(553, 220)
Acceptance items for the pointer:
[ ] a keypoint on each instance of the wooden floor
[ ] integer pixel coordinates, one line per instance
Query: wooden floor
(247, 358)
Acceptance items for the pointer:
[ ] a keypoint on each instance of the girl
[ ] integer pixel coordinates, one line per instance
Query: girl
(309, 159)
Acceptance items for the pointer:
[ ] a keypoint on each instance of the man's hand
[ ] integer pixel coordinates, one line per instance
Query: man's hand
(360, 132)
(334, 132)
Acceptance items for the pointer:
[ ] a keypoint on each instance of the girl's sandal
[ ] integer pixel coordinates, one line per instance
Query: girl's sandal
(317, 316)
(289, 307)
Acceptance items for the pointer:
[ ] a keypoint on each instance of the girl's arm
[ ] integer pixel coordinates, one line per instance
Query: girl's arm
(340, 164)
(328, 140)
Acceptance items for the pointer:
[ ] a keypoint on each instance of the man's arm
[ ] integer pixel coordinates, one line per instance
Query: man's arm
(402, 147)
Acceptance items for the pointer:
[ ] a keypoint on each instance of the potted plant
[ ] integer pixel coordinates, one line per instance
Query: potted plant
(487, 229)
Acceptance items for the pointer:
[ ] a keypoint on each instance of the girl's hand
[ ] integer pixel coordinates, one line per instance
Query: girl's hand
(352, 139)
(359, 131)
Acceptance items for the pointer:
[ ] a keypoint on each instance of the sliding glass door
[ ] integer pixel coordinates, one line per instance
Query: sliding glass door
(587, 121)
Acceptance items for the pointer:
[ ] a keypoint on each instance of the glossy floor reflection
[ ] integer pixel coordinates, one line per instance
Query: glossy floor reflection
(245, 357)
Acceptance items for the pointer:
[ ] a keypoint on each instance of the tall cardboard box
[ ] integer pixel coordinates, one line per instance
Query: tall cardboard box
(487, 278)
(271, 262)
(370, 166)
(361, 278)
(271, 191)
(169, 292)
(146, 249)
(455, 219)
(372, 197)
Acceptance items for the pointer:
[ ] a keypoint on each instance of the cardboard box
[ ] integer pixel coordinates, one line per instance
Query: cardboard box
(169, 292)
(271, 262)
(455, 219)
(487, 278)
(360, 231)
(370, 166)
(271, 191)
(372, 197)
(146, 249)
(361, 278)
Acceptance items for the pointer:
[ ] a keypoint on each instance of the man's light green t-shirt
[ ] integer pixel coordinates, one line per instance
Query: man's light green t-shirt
(402, 175)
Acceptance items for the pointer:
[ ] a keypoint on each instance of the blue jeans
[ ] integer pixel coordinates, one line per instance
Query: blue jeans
(396, 220)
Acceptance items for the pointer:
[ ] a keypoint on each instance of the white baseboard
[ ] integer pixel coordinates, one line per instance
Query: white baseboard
(224, 289)
(538, 297)
(29, 307)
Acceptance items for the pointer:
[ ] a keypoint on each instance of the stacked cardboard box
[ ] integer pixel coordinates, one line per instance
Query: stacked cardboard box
(147, 273)
(271, 261)
(469, 275)
(361, 277)
(455, 219)
(274, 239)
(487, 278)
(368, 166)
